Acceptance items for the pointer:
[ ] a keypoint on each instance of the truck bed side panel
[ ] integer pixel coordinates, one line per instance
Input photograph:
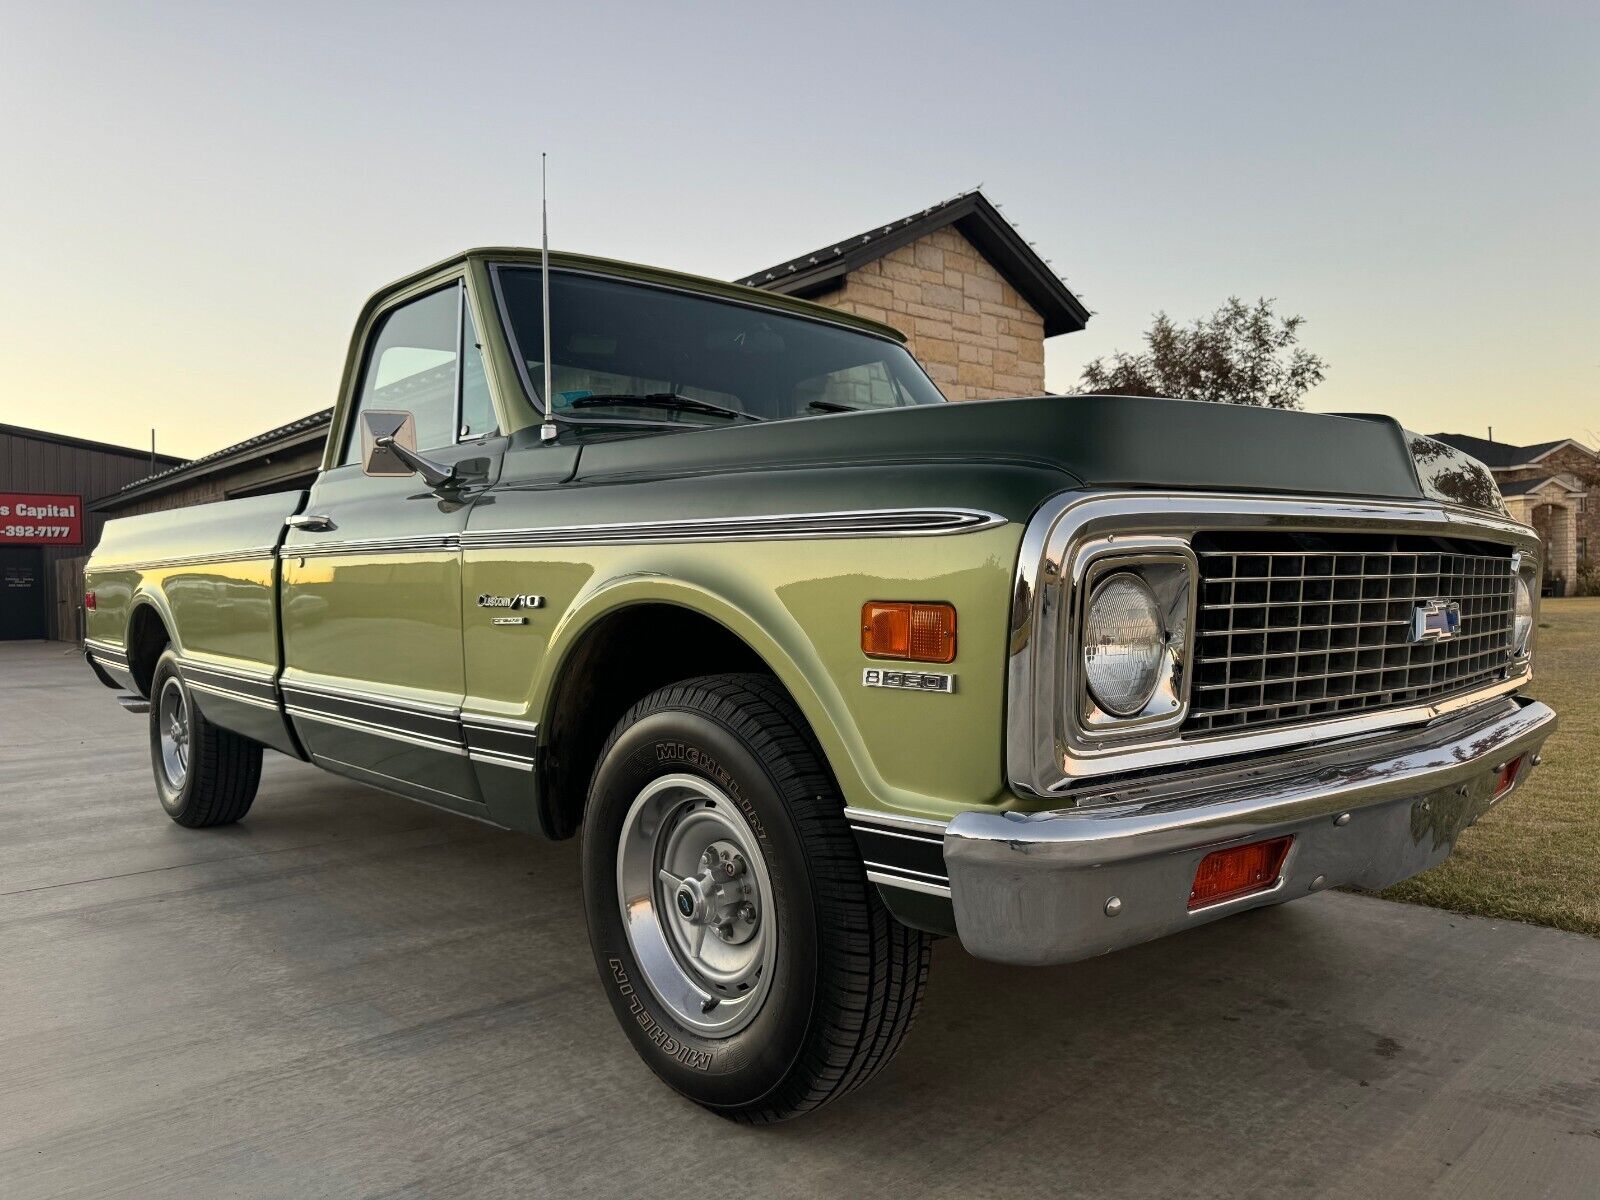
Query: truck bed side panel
(210, 574)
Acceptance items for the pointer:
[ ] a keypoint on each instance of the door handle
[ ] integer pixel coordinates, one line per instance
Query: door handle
(310, 522)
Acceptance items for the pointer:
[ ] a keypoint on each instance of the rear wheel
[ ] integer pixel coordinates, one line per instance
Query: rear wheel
(749, 960)
(205, 775)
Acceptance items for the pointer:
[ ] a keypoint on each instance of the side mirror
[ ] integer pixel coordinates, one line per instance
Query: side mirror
(383, 431)
(389, 448)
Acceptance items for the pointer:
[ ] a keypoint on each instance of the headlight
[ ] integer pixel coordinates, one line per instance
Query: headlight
(1124, 645)
(1522, 628)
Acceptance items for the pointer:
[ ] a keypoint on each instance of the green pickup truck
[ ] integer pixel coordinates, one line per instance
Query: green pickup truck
(823, 667)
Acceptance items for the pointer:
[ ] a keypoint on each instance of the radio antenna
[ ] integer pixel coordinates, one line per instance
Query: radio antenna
(547, 431)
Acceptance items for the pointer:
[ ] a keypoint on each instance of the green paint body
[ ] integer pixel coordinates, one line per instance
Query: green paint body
(406, 622)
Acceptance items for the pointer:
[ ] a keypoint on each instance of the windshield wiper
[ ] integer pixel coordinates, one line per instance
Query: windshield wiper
(671, 401)
(832, 406)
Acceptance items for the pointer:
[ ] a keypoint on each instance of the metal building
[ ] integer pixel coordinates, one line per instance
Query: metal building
(46, 532)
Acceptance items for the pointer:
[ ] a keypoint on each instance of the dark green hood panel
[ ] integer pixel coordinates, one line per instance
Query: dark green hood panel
(1093, 441)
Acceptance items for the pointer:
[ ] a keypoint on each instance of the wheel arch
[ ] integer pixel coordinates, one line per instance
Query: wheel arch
(150, 631)
(629, 637)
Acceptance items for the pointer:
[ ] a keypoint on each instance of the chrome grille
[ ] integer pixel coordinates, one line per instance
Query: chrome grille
(1302, 627)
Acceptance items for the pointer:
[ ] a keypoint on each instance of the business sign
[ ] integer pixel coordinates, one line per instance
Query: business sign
(36, 519)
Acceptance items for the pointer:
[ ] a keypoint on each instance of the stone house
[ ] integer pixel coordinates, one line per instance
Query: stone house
(973, 298)
(1553, 486)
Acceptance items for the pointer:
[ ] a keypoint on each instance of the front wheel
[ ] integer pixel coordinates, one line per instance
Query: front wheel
(205, 775)
(749, 960)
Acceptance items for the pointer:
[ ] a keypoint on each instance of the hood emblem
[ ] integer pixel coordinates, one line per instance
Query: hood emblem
(1435, 620)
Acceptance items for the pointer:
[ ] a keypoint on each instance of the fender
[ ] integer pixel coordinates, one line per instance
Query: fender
(761, 623)
(796, 606)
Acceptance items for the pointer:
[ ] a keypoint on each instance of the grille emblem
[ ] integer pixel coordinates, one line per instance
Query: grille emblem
(1435, 620)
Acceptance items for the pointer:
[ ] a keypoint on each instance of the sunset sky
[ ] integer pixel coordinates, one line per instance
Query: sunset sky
(195, 199)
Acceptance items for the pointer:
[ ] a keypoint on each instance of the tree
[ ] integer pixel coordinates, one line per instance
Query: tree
(1240, 354)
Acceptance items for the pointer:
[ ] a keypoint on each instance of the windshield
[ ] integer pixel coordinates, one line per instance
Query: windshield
(635, 352)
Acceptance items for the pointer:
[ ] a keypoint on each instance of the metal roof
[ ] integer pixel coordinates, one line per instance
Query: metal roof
(172, 476)
(977, 219)
(77, 443)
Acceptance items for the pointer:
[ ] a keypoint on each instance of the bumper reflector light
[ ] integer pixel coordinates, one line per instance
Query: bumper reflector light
(1507, 777)
(915, 632)
(1229, 874)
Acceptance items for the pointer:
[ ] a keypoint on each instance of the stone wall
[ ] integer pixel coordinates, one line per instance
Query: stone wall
(971, 330)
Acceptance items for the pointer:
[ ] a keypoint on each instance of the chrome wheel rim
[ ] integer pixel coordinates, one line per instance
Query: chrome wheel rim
(172, 724)
(695, 899)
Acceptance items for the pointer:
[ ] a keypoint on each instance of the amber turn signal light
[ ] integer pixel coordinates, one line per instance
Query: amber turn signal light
(910, 631)
(1229, 874)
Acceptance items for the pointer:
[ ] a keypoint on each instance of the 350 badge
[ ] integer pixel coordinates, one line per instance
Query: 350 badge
(910, 681)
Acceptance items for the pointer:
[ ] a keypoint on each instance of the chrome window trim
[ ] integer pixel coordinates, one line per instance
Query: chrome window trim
(455, 277)
(1041, 762)
(537, 401)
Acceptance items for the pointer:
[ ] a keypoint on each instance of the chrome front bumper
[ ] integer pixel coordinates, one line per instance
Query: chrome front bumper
(1057, 886)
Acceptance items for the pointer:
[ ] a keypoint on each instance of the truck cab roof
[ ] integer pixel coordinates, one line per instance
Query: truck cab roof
(657, 276)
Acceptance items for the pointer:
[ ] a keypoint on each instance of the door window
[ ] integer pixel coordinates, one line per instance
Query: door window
(411, 365)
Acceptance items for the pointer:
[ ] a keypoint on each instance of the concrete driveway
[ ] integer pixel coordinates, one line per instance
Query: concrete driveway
(350, 995)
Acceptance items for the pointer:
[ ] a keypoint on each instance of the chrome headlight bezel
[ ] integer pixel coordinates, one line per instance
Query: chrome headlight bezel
(1524, 575)
(1168, 568)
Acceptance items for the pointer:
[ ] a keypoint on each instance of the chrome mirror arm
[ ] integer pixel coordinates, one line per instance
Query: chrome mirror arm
(434, 475)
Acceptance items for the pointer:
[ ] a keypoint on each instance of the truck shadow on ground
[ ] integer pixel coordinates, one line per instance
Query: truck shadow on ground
(348, 994)
(1252, 1020)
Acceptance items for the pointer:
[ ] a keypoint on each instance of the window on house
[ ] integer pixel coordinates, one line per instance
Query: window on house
(1583, 550)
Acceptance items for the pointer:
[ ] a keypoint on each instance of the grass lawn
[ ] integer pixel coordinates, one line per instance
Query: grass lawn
(1537, 856)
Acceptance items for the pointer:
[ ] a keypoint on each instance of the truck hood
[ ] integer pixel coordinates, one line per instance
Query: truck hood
(1094, 441)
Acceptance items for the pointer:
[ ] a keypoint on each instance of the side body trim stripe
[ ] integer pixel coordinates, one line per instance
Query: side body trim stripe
(902, 852)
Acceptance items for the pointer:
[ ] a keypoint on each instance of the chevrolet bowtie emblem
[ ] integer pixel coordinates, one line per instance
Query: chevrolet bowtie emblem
(1433, 620)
